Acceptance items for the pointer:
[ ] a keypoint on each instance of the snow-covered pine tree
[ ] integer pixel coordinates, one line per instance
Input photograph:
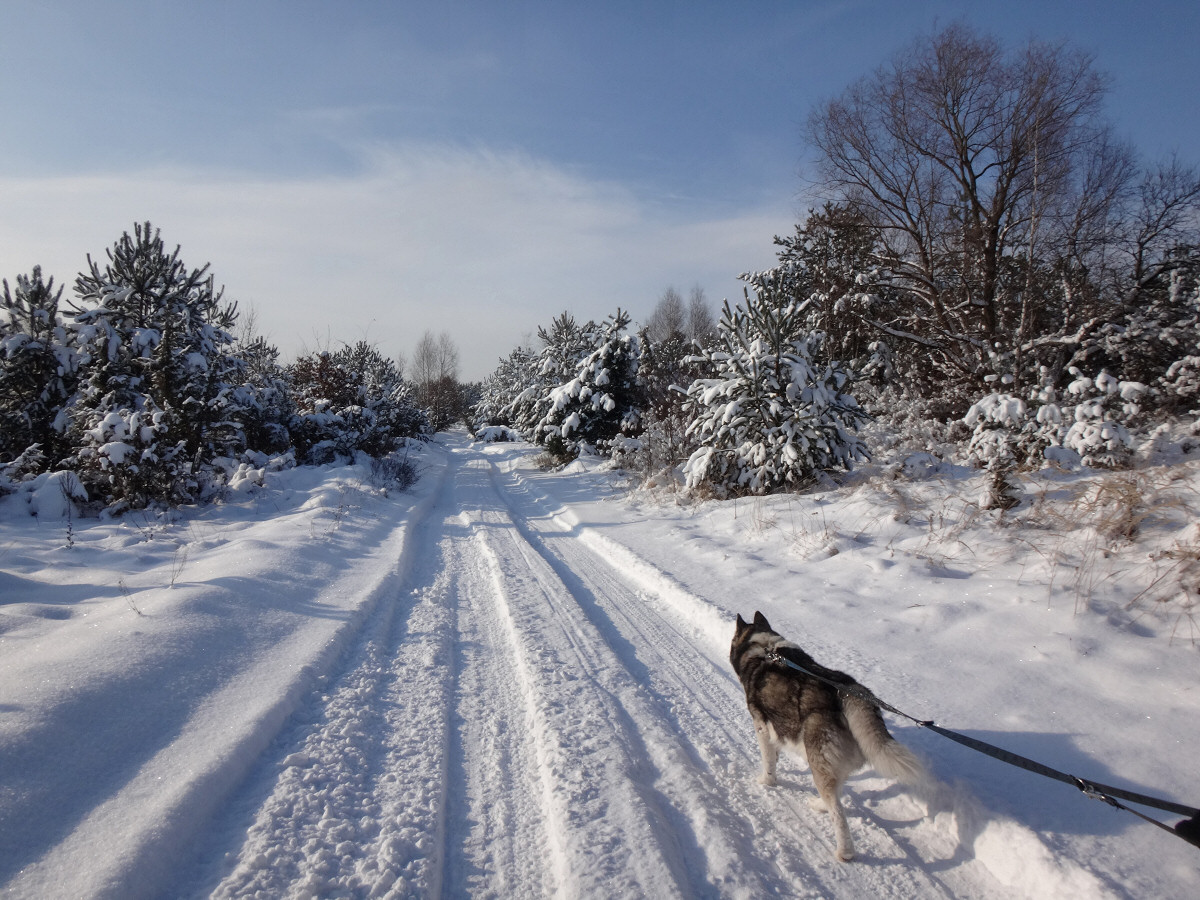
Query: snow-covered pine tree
(601, 400)
(665, 365)
(1177, 388)
(772, 415)
(498, 391)
(830, 261)
(1002, 434)
(387, 413)
(1103, 406)
(37, 371)
(321, 389)
(564, 344)
(264, 399)
(156, 375)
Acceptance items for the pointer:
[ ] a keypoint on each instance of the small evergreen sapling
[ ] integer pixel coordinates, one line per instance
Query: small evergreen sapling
(773, 414)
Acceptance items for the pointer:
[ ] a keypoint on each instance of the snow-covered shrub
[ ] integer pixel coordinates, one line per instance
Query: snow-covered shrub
(348, 402)
(496, 434)
(262, 402)
(24, 468)
(600, 401)
(396, 471)
(56, 495)
(1088, 426)
(771, 415)
(879, 368)
(1181, 383)
(1000, 430)
(1098, 434)
(1153, 341)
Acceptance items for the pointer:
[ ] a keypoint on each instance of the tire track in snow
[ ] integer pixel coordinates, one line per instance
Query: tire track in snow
(607, 826)
(501, 841)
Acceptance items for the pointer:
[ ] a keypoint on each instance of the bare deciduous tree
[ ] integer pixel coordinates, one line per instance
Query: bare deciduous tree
(701, 324)
(669, 316)
(1167, 217)
(961, 156)
(435, 375)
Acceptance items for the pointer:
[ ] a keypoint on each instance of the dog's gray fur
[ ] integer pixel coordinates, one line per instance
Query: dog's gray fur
(836, 733)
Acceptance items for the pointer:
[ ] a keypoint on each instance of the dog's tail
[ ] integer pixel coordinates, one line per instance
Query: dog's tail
(885, 754)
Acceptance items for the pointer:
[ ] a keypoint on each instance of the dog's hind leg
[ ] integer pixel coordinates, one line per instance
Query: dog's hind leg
(830, 760)
(828, 787)
(769, 750)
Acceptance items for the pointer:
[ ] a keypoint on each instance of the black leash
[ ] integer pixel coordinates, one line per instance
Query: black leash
(1188, 829)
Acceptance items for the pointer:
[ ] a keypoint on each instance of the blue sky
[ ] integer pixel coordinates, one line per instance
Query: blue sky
(376, 169)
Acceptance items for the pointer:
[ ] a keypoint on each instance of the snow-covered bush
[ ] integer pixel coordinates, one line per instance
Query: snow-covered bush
(1006, 435)
(1000, 430)
(1092, 430)
(1181, 383)
(772, 415)
(600, 401)
(351, 401)
(496, 434)
(56, 495)
(126, 460)
(263, 401)
(1153, 341)
(396, 471)
(1098, 433)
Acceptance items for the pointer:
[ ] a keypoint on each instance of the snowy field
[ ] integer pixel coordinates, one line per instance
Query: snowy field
(508, 682)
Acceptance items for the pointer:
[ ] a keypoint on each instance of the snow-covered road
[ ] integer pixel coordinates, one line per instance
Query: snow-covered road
(532, 716)
(470, 693)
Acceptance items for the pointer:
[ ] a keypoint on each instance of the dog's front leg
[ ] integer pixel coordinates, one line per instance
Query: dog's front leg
(769, 750)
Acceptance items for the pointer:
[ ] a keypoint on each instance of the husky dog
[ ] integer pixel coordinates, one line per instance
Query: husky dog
(837, 732)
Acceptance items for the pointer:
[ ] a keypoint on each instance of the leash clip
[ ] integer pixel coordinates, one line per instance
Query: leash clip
(1090, 790)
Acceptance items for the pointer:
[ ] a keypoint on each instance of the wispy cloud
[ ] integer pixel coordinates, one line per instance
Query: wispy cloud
(483, 245)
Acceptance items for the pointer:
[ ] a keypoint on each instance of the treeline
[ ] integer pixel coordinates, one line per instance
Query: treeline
(989, 254)
(141, 386)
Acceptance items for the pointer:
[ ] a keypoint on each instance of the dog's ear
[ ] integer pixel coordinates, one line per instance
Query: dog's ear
(742, 624)
(760, 621)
